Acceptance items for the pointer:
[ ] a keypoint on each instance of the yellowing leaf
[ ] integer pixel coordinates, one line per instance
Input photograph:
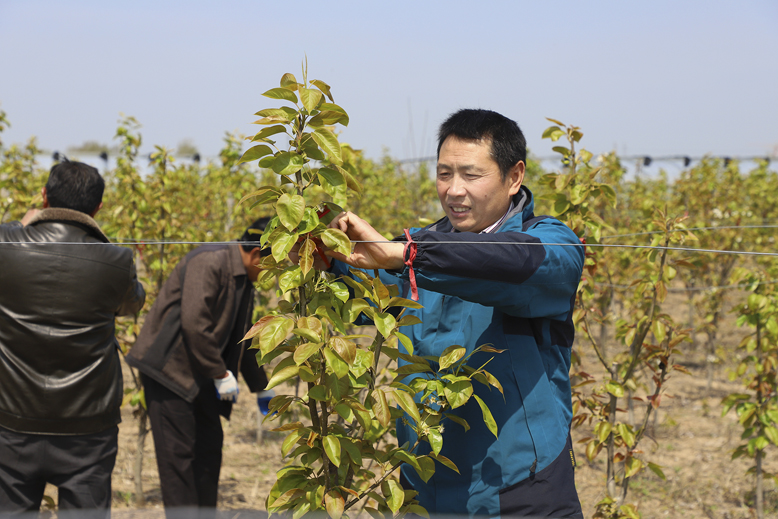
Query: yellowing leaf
(488, 418)
(451, 355)
(255, 153)
(329, 143)
(281, 93)
(332, 448)
(381, 407)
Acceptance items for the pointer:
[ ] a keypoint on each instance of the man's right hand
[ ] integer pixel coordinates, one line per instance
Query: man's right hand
(227, 387)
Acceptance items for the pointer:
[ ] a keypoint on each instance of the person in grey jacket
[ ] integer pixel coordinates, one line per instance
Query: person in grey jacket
(61, 286)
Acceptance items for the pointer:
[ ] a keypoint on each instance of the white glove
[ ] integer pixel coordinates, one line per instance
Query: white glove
(227, 387)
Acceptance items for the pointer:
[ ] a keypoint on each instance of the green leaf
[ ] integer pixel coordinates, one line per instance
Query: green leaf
(283, 114)
(553, 133)
(263, 195)
(405, 401)
(328, 118)
(427, 465)
(324, 87)
(305, 255)
(772, 434)
(310, 98)
(451, 355)
(602, 431)
(447, 462)
(264, 133)
(363, 362)
(352, 308)
(435, 440)
(339, 290)
(394, 494)
(458, 393)
(304, 351)
(255, 153)
(333, 182)
(290, 210)
(272, 331)
(332, 448)
(286, 163)
(329, 143)
(281, 93)
(385, 322)
(336, 240)
(402, 302)
(408, 320)
(626, 433)
(281, 242)
(293, 277)
(288, 81)
(458, 419)
(291, 440)
(632, 466)
(488, 418)
(338, 366)
(656, 469)
(405, 341)
(629, 511)
(282, 375)
(405, 457)
(309, 222)
(381, 407)
(614, 388)
(318, 392)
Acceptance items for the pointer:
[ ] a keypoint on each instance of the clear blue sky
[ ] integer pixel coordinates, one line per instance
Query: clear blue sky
(659, 78)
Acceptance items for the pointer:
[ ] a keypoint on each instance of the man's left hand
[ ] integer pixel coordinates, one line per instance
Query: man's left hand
(367, 255)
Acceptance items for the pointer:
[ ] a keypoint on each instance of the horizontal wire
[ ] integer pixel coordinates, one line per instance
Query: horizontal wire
(693, 289)
(715, 227)
(445, 242)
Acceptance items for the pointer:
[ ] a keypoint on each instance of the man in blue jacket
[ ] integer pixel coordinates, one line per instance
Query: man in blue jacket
(491, 272)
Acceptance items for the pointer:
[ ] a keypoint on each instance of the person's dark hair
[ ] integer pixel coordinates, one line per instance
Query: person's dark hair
(75, 185)
(508, 143)
(250, 240)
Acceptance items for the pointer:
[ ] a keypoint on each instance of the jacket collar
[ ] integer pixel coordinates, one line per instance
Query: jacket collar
(236, 261)
(63, 215)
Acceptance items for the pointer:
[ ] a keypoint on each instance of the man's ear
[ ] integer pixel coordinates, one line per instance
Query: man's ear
(45, 196)
(256, 256)
(93, 213)
(516, 177)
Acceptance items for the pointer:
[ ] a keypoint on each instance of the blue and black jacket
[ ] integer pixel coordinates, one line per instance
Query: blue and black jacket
(512, 291)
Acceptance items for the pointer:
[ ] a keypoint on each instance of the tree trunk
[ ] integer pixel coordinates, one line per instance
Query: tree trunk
(140, 499)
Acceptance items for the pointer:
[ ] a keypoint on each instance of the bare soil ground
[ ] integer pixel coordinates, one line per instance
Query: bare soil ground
(691, 441)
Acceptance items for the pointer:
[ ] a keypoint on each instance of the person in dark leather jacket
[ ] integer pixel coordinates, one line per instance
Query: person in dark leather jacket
(61, 286)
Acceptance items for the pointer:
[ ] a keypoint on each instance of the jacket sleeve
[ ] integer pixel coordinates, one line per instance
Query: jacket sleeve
(135, 296)
(253, 374)
(526, 274)
(202, 286)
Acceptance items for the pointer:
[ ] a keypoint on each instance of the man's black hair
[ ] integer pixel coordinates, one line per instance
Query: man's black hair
(75, 185)
(250, 240)
(508, 143)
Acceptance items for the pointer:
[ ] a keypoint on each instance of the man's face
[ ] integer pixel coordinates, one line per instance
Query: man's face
(470, 187)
